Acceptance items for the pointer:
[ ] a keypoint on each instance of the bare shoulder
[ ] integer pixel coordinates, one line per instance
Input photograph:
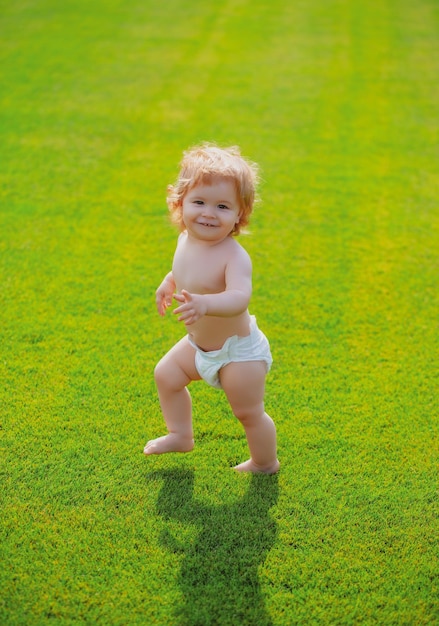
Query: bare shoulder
(238, 255)
(182, 237)
(238, 270)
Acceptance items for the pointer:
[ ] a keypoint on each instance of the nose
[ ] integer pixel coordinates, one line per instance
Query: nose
(207, 211)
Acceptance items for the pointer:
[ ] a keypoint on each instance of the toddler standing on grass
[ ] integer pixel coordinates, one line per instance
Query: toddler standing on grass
(211, 279)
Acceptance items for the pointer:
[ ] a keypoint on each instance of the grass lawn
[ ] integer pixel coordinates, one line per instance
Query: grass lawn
(337, 100)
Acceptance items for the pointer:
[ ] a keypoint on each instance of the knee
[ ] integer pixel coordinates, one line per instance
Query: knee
(249, 415)
(162, 375)
(168, 377)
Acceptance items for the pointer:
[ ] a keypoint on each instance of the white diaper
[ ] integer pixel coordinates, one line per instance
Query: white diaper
(254, 347)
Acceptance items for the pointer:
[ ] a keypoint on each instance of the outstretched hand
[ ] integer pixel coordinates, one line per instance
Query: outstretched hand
(192, 308)
(163, 296)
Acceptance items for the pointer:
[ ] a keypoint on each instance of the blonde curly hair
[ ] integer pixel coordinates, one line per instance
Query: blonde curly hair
(200, 164)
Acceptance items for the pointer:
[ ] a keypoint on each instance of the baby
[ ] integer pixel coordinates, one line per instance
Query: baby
(211, 279)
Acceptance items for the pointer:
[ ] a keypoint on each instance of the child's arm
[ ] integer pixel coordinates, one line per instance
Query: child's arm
(232, 301)
(163, 295)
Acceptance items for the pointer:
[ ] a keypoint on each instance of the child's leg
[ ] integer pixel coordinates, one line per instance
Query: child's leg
(244, 385)
(172, 375)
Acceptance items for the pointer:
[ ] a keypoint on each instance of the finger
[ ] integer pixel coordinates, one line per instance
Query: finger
(159, 305)
(163, 304)
(188, 321)
(187, 295)
(186, 316)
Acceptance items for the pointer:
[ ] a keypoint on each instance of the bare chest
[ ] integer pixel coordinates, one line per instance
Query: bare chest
(199, 270)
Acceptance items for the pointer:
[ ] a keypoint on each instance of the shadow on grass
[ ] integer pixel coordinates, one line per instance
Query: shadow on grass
(219, 572)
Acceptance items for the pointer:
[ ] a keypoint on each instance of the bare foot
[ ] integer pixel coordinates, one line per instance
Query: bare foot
(251, 466)
(169, 443)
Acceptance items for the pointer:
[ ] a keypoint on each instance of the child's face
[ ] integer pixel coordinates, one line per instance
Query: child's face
(211, 209)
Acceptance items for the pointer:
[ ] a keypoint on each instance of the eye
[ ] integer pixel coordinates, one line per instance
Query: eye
(223, 206)
(199, 202)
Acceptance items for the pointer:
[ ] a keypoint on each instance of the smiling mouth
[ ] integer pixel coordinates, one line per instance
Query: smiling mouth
(206, 224)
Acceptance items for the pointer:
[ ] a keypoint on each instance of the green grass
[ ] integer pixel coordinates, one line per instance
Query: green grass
(338, 102)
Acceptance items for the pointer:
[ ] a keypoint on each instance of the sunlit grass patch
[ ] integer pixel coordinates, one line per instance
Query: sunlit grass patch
(337, 101)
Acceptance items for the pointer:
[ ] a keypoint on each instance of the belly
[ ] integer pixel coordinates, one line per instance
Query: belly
(210, 332)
